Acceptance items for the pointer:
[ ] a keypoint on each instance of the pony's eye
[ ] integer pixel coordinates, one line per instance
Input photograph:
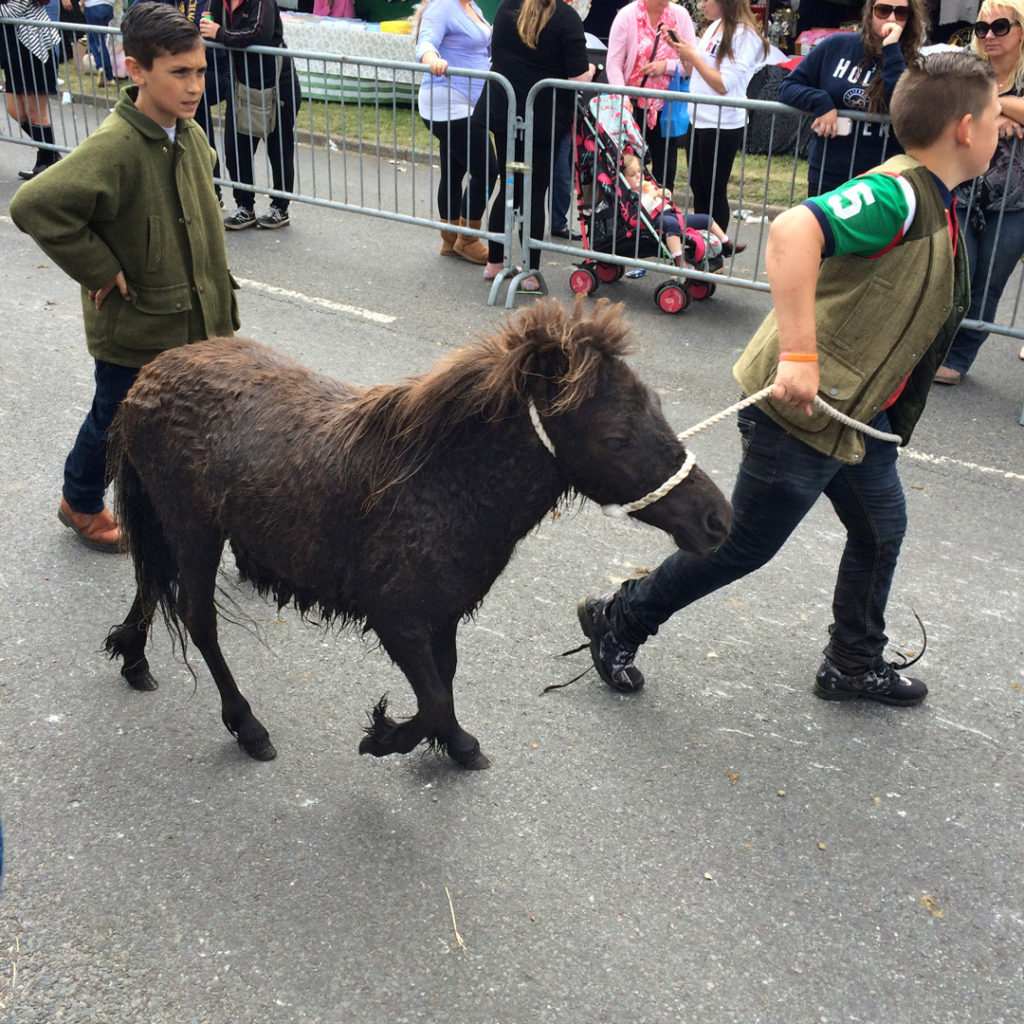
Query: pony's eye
(615, 444)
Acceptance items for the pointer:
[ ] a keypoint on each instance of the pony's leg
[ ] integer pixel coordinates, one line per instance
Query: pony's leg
(428, 661)
(461, 746)
(128, 642)
(198, 612)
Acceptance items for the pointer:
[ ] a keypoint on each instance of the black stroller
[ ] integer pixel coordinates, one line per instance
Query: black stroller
(613, 220)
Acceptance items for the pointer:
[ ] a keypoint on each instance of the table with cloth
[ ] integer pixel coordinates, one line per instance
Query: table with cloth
(350, 82)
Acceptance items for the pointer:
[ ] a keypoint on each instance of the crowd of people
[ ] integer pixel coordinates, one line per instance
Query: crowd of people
(651, 44)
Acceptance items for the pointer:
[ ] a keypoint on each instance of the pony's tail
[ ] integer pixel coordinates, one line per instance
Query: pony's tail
(142, 535)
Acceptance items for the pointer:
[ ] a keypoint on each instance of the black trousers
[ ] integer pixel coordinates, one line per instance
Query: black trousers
(240, 150)
(541, 178)
(711, 155)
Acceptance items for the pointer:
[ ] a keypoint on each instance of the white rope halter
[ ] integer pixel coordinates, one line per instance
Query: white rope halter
(620, 511)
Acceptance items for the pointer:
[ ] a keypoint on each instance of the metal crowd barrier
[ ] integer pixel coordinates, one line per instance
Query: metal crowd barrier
(356, 161)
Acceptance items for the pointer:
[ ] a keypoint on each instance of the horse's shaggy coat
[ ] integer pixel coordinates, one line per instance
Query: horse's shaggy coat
(396, 507)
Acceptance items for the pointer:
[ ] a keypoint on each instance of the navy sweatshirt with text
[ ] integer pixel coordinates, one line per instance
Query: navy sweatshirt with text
(835, 75)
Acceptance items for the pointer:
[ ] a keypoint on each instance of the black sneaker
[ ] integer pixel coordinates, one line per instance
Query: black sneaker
(241, 219)
(883, 684)
(275, 218)
(612, 658)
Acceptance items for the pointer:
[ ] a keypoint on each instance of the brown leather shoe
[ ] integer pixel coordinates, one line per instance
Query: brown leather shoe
(99, 532)
(947, 375)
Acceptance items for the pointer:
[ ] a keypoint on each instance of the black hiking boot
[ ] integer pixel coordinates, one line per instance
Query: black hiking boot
(612, 658)
(883, 684)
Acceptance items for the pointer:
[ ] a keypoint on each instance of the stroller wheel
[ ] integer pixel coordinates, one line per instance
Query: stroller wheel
(583, 281)
(701, 290)
(672, 297)
(609, 272)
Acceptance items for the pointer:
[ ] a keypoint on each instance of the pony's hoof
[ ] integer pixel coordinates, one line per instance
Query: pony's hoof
(372, 745)
(259, 748)
(138, 677)
(472, 758)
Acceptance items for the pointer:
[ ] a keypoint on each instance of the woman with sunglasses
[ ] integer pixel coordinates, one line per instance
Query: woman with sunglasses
(854, 71)
(993, 224)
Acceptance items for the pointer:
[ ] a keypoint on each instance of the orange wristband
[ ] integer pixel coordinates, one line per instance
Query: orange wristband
(798, 357)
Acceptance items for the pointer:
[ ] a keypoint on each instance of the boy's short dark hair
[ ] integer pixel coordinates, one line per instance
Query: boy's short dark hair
(935, 90)
(152, 29)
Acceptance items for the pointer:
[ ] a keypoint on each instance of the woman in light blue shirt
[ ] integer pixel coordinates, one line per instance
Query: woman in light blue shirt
(454, 32)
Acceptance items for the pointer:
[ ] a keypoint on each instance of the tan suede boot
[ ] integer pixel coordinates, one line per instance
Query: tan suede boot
(448, 240)
(469, 248)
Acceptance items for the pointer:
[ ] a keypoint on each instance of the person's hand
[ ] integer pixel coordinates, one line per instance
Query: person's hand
(208, 28)
(826, 125)
(97, 295)
(1008, 128)
(685, 49)
(891, 32)
(437, 64)
(66, 4)
(796, 384)
(655, 68)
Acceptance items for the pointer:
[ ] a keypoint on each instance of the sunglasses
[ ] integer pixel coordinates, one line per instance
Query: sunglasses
(999, 27)
(884, 11)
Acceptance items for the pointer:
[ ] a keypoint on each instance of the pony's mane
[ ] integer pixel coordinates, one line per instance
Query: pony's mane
(545, 350)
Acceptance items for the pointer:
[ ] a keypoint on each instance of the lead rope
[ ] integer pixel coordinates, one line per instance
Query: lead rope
(620, 511)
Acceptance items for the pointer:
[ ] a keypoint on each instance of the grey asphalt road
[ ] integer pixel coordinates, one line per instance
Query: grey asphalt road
(722, 848)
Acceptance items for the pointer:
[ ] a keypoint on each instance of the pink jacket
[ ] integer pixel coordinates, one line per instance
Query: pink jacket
(622, 41)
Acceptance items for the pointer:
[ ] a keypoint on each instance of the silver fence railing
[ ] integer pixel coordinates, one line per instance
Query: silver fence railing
(369, 153)
(754, 199)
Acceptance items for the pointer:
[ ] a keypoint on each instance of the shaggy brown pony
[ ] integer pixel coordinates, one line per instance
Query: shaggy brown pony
(396, 507)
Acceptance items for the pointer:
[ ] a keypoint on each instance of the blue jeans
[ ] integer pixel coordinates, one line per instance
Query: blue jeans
(988, 252)
(100, 42)
(779, 480)
(561, 185)
(86, 463)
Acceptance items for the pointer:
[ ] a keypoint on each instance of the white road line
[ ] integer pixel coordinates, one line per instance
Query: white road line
(967, 728)
(940, 460)
(314, 300)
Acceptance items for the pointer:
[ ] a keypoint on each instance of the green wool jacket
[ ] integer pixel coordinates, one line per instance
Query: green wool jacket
(879, 320)
(129, 199)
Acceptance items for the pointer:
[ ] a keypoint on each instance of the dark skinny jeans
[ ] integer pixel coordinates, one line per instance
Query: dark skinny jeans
(87, 460)
(779, 480)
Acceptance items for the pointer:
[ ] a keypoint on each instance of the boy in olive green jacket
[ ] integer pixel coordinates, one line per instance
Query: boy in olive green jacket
(131, 214)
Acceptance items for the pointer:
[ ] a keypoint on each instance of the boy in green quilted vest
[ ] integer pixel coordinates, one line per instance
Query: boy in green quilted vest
(869, 284)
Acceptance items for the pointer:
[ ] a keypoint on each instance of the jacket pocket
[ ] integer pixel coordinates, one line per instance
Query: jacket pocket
(155, 319)
(840, 385)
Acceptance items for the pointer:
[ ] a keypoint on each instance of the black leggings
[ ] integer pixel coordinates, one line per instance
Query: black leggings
(463, 148)
(710, 169)
(541, 179)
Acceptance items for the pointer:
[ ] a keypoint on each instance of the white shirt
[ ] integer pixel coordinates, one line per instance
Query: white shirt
(747, 55)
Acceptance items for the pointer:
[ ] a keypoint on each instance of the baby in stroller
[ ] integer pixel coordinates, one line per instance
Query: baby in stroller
(657, 204)
(614, 218)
